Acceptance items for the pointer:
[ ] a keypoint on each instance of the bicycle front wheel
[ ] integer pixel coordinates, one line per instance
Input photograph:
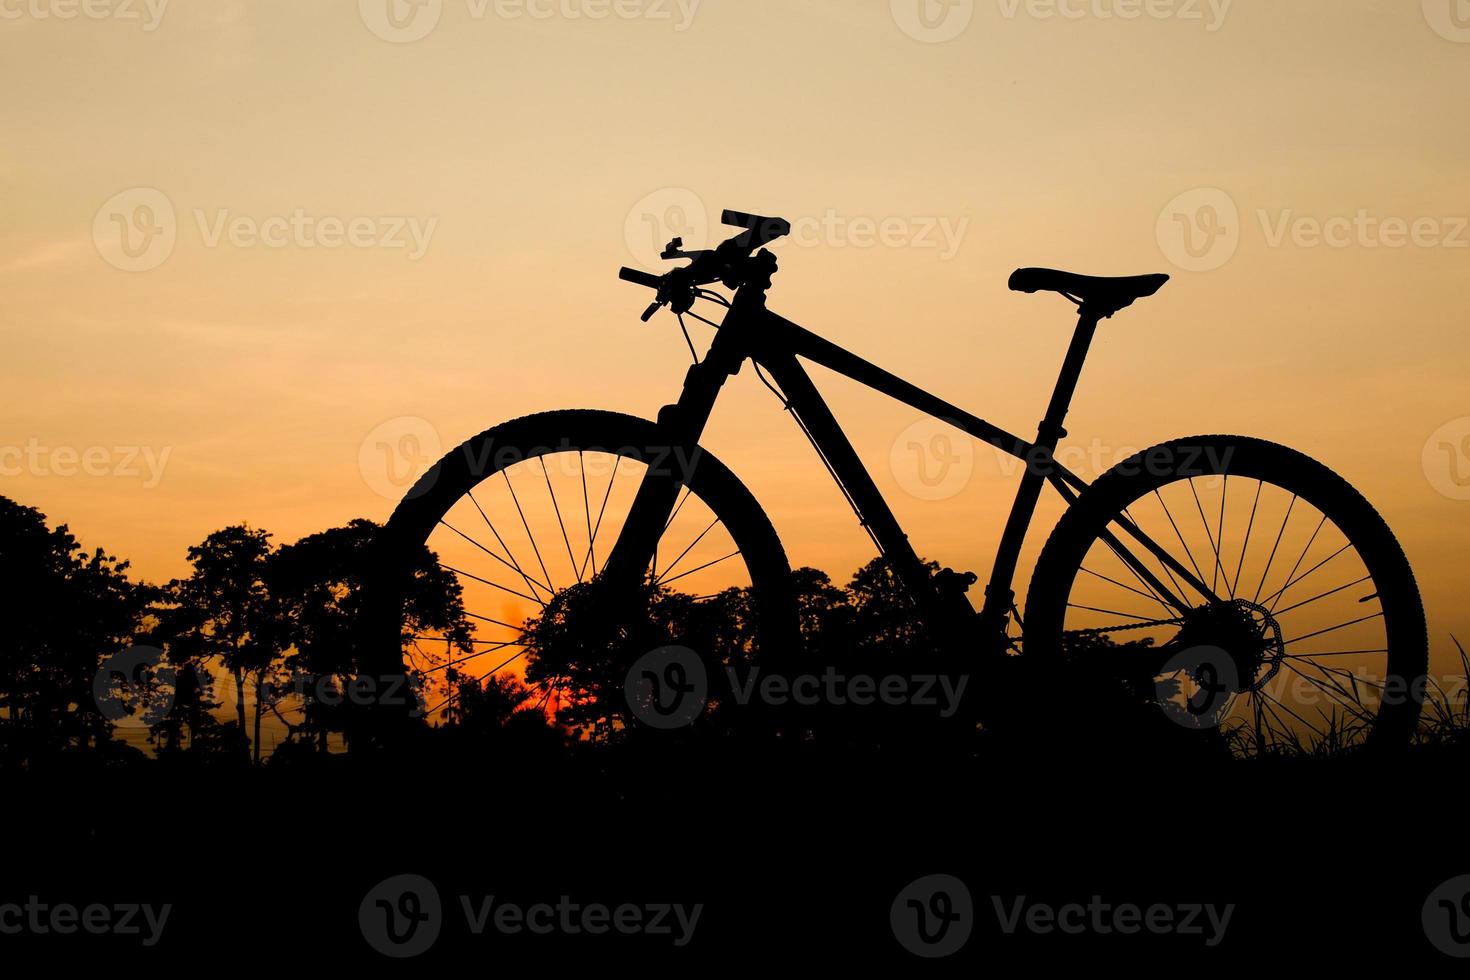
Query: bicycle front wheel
(525, 515)
(1289, 617)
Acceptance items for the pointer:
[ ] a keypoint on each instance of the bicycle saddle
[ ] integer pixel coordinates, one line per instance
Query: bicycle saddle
(1105, 295)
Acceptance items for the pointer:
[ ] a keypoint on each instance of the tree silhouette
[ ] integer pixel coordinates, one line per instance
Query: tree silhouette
(317, 585)
(225, 612)
(66, 611)
(190, 729)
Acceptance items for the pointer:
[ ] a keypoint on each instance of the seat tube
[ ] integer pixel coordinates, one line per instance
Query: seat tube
(999, 594)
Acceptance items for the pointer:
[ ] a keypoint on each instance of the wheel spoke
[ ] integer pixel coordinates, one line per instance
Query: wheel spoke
(471, 642)
(1151, 596)
(1180, 607)
(1330, 629)
(509, 554)
(496, 622)
(700, 569)
(527, 526)
(1109, 612)
(659, 578)
(510, 565)
(1272, 557)
(1309, 571)
(586, 507)
(1244, 545)
(560, 523)
(1300, 558)
(1263, 693)
(1307, 602)
(591, 559)
(494, 585)
(1349, 698)
(1214, 545)
(1220, 534)
(1189, 554)
(478, 654)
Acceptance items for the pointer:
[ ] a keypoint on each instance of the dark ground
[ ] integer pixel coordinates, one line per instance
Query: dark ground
(1328, 864)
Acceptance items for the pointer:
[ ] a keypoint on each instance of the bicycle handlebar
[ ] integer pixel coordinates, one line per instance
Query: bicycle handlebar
(640, 277)
(723, 264)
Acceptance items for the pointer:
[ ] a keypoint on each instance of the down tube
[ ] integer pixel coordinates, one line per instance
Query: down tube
(813, 413)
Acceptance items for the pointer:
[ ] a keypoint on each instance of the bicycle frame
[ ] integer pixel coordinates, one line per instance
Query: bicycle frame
(752, 332)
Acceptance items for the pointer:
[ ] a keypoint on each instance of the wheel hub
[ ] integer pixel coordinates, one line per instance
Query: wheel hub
(1246, 631)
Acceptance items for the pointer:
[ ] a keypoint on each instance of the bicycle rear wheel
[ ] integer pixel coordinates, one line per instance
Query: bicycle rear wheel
(1309, 633)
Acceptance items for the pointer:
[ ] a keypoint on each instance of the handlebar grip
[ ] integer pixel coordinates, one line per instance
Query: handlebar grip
(640, 277)
(760, 230)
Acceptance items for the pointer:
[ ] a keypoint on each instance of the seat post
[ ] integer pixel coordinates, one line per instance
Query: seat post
(999, 595)
(1050, 431)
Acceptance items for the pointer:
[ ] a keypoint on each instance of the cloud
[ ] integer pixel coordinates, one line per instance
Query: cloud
(51, 253)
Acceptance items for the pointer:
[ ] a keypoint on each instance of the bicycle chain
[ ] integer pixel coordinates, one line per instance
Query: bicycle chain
(1176, 621)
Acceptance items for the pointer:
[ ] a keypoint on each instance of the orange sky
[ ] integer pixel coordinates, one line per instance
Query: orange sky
(488, 178)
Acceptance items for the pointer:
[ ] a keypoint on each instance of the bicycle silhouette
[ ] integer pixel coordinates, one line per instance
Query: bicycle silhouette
(1218, 541)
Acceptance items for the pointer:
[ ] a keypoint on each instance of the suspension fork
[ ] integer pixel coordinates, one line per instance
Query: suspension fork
(682, 424)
